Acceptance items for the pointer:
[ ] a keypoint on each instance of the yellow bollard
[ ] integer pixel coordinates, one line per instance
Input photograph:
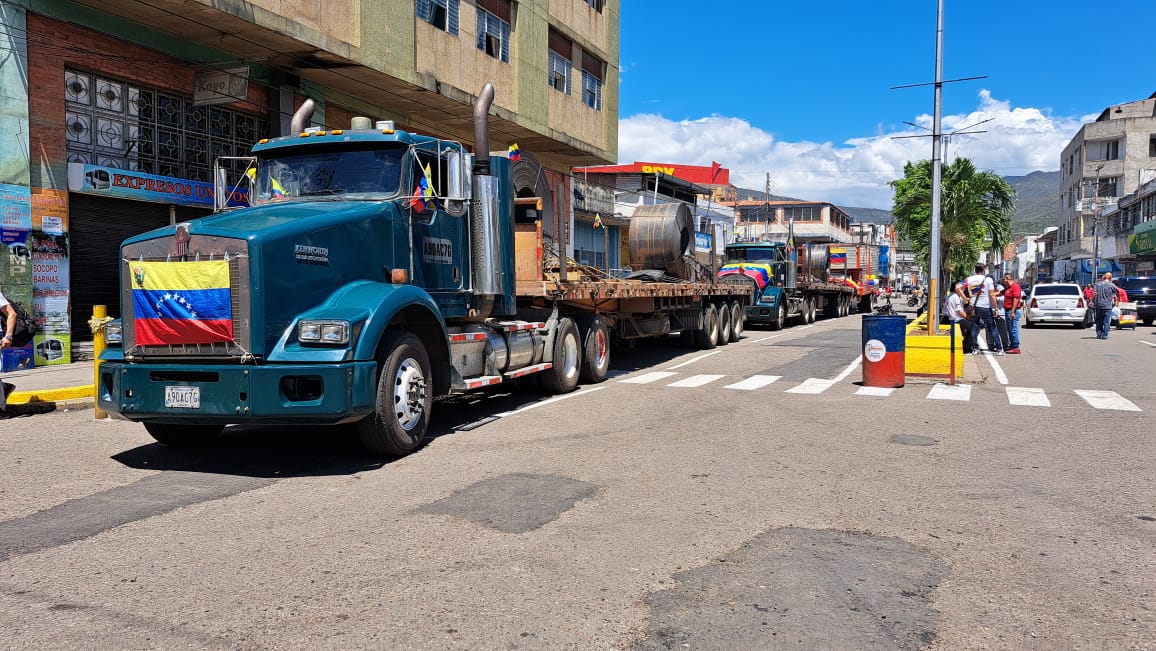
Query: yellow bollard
(99, 315)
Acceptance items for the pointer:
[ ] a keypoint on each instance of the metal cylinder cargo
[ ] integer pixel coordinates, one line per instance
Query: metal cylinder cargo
(660, 236)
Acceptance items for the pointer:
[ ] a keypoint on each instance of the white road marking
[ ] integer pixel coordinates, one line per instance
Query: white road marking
(881, 392)
(754, 382)
(696, 381)
(999, 374)
(812, 385)
(765, 338)
(1106, 400)
(960, 392)
(647, 378)
(850, 367)
(812, 325)
(696, 359)
(1027, 396)
(549, 401)
(1149, 343)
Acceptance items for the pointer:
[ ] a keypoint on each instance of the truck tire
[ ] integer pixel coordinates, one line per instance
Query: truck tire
(399, 421)
(808, 315)
(596, 349)
(780, 322)
(707, 337)
(724, 324)
(738, 320)
(183, 436)
(563, 377)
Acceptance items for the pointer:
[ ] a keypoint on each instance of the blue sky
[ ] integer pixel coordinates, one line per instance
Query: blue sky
(802, 89)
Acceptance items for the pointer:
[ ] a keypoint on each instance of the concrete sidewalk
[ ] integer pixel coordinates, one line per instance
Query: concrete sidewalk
(69, 386)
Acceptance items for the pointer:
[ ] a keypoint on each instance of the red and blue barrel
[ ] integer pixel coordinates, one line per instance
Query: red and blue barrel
(884, 346)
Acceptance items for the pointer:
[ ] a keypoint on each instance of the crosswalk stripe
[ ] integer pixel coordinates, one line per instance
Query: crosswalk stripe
(881, 392)
(1027, 396)
(1106, 400)
(696, 381)
(754, 382)
(960, 392)
(647, 378)
(812, 385)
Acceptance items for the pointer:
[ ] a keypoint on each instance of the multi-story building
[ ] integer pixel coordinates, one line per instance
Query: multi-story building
(1130, 232)
(1106, 160)
(123, 106)
(814, 221)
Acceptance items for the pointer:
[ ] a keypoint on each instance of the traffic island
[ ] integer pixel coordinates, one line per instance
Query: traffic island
(930, 355)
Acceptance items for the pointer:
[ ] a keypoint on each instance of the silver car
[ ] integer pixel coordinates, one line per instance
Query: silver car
(1056, 303)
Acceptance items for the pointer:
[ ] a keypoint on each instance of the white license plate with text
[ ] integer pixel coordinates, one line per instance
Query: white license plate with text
(183, 397)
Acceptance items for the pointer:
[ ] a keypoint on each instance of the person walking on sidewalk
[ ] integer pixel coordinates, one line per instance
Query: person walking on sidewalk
(1106, 297)
(956, 313)
(981, 289)
(1013, 301)
(8, 318)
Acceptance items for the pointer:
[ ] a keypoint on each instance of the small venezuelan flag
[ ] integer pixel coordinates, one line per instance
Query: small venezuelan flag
(181, 302)
(598, 221)
(515, 153)
(838, 256)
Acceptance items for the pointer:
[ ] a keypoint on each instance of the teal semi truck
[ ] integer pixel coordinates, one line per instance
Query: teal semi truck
(800, 284)
(374, 271)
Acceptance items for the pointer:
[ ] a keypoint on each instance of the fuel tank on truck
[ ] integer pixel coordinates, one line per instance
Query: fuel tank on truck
(661, 237)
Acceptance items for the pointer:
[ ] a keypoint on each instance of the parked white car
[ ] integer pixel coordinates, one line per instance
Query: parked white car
(1056, 303)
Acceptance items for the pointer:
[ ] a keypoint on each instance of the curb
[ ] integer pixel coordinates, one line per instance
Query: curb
(54, 395)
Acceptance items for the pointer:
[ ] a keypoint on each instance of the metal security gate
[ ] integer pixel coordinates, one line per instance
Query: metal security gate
(97, 226)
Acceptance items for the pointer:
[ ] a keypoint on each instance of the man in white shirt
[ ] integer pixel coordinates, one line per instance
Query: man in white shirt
(981, 289)
(955, 312)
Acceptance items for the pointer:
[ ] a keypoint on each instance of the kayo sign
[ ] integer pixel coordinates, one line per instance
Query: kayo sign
(221, 86)
(109, 181)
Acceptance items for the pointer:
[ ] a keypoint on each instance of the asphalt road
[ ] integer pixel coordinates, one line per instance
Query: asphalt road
(748, 497)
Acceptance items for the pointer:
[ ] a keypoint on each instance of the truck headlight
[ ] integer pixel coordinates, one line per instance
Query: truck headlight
(323, 332)
(113, 333)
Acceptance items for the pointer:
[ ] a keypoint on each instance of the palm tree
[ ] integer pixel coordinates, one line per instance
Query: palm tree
(975, 214)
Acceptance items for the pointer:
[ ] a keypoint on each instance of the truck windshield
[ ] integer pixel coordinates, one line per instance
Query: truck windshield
(750, 254)
(371, 171)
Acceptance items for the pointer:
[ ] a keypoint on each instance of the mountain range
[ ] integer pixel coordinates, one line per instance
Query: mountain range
(1036, 203)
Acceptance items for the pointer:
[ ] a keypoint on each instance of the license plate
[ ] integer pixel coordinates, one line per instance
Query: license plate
(183, 397)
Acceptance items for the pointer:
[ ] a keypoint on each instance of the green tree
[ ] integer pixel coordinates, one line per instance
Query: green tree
(976, 209)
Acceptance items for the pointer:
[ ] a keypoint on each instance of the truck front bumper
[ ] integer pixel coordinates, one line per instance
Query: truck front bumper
(757, 314)
(270, 393)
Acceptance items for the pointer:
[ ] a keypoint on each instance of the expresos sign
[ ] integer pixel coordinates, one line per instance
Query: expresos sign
(126, 184)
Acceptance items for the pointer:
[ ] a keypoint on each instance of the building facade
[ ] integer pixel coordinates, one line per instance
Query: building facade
(124, 107)
(1105, 161)
(813, 221)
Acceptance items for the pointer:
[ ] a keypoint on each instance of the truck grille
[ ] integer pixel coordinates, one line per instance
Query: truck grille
(194, 248)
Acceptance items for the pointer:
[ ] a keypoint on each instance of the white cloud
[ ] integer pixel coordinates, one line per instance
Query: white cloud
(1017, 141)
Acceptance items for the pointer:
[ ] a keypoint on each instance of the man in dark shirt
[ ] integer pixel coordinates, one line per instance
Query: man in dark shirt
(1105, 297)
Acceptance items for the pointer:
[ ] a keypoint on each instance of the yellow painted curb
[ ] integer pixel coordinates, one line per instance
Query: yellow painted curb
(52, 395)
(932, 355)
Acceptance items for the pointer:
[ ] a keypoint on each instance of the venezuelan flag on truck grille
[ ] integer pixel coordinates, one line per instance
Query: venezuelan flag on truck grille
(181, 302)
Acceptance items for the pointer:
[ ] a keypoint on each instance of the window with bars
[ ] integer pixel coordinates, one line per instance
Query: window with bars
(559, 72)
(591, 91)
(116, 124)
(493, 35)
(596, 5)
(442, 14)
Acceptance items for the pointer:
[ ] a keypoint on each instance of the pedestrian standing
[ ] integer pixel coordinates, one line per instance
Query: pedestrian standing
(8, 318)
(1105, 299)
(1013, 302)
(981, 290)
(956, 313)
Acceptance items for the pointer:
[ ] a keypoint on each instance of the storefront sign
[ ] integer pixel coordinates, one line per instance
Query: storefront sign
(702, 241)
(109, 181)
(221, 86)
(1142, 241)
(15, 206)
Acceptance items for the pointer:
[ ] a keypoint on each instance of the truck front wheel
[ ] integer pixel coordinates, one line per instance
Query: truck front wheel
(398, 423)
(563, 377)
(778, 323)
(183, 436)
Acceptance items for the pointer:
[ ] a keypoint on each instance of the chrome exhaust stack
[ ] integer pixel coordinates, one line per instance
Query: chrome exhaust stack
(301, 117)
(485, 234)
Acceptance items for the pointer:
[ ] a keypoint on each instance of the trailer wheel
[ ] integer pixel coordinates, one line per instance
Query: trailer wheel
(724, 324)
(707, 337)
(738, 319)
(183, 436)
(596, 349)
(778, 323)
(399, 421)
(808, 311)
(563, 377)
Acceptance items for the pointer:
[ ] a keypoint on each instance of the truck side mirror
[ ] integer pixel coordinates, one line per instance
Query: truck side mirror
(457, 199)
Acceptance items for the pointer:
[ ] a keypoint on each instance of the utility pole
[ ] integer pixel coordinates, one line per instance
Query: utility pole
(936, 179)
